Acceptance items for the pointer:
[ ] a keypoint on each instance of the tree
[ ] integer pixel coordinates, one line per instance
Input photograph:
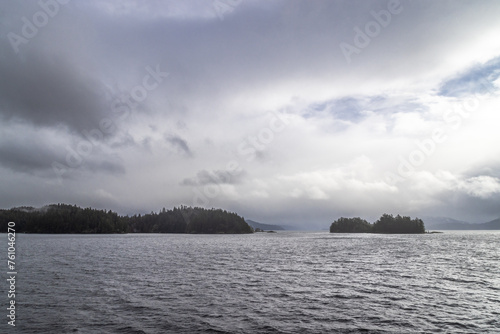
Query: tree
(385, 224)
(350, 225)
(399, 224)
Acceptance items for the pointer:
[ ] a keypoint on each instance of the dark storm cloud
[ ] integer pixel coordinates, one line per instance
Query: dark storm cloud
(37, 154)
(36, 157)
(28, 156)
(47, 91)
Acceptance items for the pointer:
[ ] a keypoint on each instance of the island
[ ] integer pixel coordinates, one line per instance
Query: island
(385, 224)
(64, 218)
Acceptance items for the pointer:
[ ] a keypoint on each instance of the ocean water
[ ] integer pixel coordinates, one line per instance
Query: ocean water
(287, 282)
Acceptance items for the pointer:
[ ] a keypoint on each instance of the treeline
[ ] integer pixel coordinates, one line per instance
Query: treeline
(385, 224)
(189, 220)
(63, 218)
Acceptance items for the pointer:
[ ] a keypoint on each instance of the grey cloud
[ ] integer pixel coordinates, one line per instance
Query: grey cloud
(49, 91)
(109, 166)
(492, 169)
(223, 74)
(462, 206)
(38, 160)
(205, 177)
(30, 157)
(123, 141)
(36, 154)
(179, 144)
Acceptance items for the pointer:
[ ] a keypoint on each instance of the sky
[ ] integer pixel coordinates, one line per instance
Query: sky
(286, 112)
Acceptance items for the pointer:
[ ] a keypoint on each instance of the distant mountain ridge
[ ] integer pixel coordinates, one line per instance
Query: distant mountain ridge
(492, 225)
(445, 223)
(265, 227)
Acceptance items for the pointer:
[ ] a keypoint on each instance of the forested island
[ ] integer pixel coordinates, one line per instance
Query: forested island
(64, 218)
(385, 224)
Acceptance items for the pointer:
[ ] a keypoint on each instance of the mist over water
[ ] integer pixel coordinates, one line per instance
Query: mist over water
(288, 282)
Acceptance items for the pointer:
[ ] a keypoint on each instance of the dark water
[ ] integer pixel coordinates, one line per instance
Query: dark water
(287, 282)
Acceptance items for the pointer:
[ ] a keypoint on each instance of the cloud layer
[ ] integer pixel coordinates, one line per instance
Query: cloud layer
(292, 112)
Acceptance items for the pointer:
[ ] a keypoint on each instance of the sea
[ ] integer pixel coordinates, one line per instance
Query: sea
(285, 282)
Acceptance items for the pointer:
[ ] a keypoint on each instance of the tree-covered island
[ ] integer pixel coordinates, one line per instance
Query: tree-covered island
(385, 224)
(63, 218)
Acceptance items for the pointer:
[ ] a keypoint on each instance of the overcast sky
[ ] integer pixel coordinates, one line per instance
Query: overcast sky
(288, 112)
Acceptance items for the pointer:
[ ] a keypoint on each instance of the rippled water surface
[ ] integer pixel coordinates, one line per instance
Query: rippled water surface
(286, 282)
